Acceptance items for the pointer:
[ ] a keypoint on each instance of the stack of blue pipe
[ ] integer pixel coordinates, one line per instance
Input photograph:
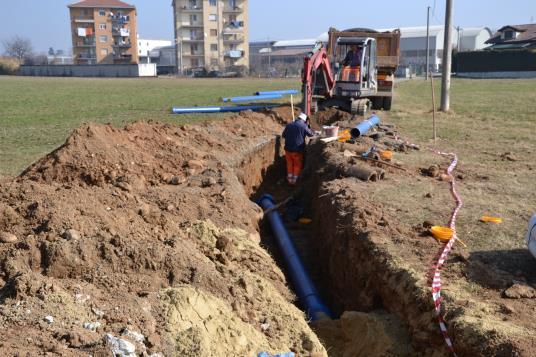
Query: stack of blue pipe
(259, 96)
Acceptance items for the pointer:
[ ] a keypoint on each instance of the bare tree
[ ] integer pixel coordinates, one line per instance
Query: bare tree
(18, 47)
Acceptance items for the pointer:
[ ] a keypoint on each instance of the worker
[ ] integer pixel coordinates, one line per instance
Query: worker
(294, 135)
(353, 57)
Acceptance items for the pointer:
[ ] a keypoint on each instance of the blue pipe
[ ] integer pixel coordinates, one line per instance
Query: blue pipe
(251, 98)
(305, 289)
(364, 126)
(282, 92)
(222, 109)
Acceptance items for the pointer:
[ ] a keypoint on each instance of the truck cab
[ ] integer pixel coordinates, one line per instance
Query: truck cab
(354, 66)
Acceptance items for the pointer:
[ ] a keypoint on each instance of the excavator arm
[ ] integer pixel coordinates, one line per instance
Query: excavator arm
(315, 65)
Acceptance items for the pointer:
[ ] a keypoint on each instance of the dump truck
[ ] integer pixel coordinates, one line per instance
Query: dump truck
(354, 72)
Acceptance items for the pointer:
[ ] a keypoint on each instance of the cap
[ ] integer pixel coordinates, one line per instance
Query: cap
(302, 116)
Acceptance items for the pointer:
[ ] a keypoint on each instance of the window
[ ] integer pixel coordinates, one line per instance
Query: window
(213, 32)
(102, 12)
(104, 51)
(84, 12)
(193, 19)
(212, 2)
(508, 35)
(193, 48)
(102, 26)
(214, 47)
(213, 17)
(103, 39)
(214, 61)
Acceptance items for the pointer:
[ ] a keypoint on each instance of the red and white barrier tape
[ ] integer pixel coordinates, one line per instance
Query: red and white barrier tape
(436, 282)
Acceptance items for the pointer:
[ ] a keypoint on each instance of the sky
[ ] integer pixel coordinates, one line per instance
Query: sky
(46, 22)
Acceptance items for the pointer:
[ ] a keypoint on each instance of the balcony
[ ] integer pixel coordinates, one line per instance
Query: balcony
(193, 39)
(234, 54)
(233, 39)
(121, 19)
(120, 32)
(122, 58)
(87, 56)
(84, 20)
(86, 43)
(198, 8)
(233, 27)
(190, 25)
(122, 45)
(232, 10)
(193, 54)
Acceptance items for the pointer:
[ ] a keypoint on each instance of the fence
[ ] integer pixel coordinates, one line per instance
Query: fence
(104, 70)
(496, 61)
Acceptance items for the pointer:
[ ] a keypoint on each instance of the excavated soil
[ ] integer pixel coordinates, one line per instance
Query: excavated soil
(149, 234)
(146, 230)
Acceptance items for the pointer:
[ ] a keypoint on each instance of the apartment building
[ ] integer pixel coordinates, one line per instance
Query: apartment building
(103, 32)
(211, 34)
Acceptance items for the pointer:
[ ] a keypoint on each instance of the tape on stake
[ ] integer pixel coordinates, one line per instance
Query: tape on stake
(436, 282)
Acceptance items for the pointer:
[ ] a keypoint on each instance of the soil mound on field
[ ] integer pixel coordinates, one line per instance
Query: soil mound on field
(146, 234)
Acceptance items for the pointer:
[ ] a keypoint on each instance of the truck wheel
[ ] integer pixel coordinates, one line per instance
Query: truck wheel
(387, 103)
(377, 103)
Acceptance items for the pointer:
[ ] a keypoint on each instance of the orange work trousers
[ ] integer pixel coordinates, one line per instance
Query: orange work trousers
(294, 166)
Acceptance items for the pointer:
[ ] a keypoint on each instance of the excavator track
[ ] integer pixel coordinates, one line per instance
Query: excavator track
(359, 106)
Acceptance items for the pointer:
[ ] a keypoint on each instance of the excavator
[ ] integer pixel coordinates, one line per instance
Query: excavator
(355, 72)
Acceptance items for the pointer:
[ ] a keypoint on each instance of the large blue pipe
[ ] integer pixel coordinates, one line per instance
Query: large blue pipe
(305, 289)
(252, 98)
(222, 109)
(364, 126)
(282, 92)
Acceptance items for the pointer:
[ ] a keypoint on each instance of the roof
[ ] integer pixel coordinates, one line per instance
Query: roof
(527, 33)
(287, 52)
(474, 31)
(108, 4)
(296, 43)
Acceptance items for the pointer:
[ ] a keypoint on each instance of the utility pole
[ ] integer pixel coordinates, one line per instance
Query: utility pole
(447, 59)
(459, 38)
(269, 56)
(427, 45)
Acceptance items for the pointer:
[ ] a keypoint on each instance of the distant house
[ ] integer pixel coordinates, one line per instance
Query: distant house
(511, 54)
(148, 50)
(513, 37)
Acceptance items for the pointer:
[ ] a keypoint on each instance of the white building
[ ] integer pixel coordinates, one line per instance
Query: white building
(148, 49)
(413, 44)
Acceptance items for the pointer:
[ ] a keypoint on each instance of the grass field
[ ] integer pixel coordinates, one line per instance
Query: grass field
(37, 114)
(489, 119)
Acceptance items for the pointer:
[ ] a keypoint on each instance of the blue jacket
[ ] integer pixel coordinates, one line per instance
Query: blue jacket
(294, 135)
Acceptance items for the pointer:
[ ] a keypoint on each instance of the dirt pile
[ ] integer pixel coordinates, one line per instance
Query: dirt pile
(144, 237)
(370, 227)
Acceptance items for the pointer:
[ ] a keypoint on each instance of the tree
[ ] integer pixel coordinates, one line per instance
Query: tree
(18, 47)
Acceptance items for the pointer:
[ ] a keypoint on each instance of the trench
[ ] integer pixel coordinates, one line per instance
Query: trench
(328, 255)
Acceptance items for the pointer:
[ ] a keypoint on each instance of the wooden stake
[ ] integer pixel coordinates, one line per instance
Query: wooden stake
(433, 107)
(292, 106)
